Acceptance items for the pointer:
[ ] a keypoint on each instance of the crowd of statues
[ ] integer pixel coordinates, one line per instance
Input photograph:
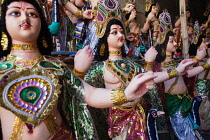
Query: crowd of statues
(129, 81)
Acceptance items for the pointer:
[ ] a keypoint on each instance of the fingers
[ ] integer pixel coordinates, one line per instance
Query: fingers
(187, 61)
(149, 84)
(145, 77)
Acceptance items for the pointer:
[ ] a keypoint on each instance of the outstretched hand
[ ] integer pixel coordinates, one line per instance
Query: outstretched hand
(83, 59)
(184, 66)
(139, 85)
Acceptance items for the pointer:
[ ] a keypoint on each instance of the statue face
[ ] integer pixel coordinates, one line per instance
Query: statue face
(171, 46)
(154, 10)
(23, 22)
(116, 37)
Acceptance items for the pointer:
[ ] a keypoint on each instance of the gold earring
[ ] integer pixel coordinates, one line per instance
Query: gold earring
(4, 41)
(102, 49)
(163, 53)
(44, 43)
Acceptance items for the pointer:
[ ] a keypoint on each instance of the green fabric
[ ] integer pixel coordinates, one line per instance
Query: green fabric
(94, 77)
(48, 65)
(174, 102)
(30, 94)
(153, 101)
(73, 107)
(203, 87)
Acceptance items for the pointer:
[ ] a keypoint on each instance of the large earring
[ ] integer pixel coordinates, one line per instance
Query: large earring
(102, 49)
(44, 43)
(163, 53)
(4, 41)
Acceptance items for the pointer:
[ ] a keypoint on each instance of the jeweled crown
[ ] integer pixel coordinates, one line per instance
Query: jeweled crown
(104, 12)
(196, 32)
(164, 26)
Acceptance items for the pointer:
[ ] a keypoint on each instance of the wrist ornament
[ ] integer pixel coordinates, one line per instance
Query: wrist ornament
(206, 66)
(118, 96)
(196, 59)
(172, 73)
(148, 64)
(78, 73)
(79, 14)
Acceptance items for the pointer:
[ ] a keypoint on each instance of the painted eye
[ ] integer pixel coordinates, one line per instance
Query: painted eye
(15, 14)
(114, 32)
(32, 15)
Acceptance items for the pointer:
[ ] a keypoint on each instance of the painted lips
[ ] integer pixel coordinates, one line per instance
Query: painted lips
(25, 26)
(121, 40)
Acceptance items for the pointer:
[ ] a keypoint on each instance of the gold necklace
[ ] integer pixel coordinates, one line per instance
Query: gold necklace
(24, 47)
(115, 52)
(170, 63)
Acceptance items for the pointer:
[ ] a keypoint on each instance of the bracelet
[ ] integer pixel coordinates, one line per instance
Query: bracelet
(196, 59)
(148, 64)
(78, 73)
(172, 73)
(206, 66)
(118, 96)
(79, 14)
(128, 22)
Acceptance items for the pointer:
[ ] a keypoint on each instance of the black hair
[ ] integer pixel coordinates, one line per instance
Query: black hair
(150, 9)
(161, 48)
(103, 40)
(44, 32)
(193, 47)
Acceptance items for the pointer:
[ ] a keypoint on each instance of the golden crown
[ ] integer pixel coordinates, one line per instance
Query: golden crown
(104, 12)
(164, 26)
(148, 4)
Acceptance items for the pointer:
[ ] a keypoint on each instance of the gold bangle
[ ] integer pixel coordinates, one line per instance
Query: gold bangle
(172, 73)
(196, 59)
(149, 63)
(206, 66)
(118, 96)
(79, 14)
(148, 66)
(78, 73)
